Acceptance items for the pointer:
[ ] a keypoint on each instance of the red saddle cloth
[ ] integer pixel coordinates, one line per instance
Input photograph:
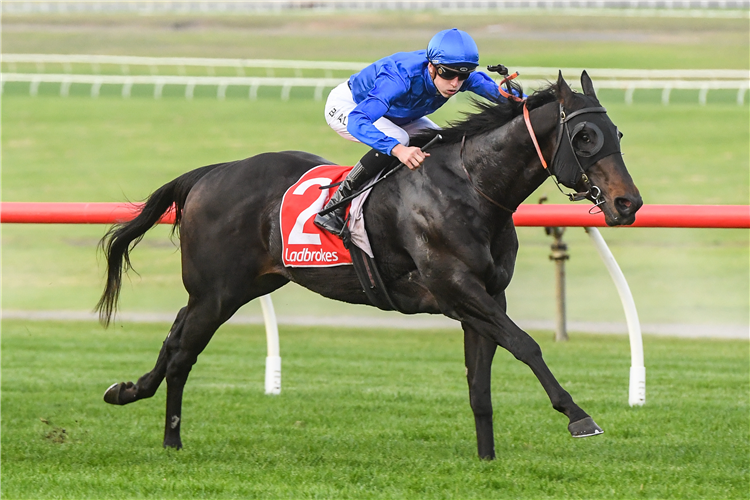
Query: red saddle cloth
(303, 243)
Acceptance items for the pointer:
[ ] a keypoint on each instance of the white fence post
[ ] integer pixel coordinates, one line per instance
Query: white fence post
(637, 387)
(273, 358)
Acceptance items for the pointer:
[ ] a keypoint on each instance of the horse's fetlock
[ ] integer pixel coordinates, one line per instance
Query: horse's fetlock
(563, 403)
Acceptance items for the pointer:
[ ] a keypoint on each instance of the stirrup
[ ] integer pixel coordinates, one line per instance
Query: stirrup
(332, 222)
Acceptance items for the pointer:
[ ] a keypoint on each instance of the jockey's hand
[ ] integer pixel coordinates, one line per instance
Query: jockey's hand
(410, 156)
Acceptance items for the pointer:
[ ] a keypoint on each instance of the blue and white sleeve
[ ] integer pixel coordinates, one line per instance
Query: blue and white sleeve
(361, 120)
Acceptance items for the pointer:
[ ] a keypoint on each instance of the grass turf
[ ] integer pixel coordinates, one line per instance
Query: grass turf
(521, 38)
(366, 414)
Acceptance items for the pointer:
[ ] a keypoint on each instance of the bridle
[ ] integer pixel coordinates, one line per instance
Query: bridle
(565, 139)
(592, 192)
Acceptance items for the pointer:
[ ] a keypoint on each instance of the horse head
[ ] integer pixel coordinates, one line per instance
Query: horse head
(587, 155)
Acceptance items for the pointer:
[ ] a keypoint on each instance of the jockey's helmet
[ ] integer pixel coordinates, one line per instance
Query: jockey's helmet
(453, 48)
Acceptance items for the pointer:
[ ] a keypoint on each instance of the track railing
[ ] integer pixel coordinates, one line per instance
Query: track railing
(124, 64)
(115, 70)
(685, 216)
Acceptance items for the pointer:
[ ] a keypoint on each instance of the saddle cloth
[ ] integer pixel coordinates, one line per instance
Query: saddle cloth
(303, 243)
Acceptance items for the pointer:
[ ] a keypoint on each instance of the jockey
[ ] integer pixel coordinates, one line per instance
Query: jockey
(386, 102)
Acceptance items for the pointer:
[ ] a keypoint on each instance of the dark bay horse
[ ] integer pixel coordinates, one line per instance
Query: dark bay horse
(444, 239)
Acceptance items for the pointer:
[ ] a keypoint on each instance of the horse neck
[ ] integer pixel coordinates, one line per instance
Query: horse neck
(504, 164)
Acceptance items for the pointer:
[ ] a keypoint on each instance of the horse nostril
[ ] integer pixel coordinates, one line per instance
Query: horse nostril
(624, 206)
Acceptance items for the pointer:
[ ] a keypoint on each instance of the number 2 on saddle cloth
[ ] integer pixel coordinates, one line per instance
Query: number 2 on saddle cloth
(303, 243)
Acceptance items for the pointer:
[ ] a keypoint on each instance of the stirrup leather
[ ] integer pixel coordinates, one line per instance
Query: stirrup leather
(334, 222)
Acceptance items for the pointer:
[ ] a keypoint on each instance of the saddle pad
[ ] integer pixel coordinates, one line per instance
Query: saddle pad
(303, 243)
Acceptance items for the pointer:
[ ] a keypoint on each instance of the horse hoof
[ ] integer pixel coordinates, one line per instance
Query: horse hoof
(175, 445)
(584, 428)
(113, 393)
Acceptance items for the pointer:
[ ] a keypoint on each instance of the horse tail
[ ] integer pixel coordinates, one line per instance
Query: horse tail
(122, 238)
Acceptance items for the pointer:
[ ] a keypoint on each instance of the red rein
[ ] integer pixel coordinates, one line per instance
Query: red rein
(526, 118)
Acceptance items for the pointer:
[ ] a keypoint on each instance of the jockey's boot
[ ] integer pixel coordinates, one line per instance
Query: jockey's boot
(365, 169)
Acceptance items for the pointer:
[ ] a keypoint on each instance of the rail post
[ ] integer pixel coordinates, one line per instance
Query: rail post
(559, 255)
(637, 386)
(273, 358)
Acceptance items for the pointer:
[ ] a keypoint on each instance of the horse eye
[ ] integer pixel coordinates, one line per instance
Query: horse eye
(585, 138)
(619, 135)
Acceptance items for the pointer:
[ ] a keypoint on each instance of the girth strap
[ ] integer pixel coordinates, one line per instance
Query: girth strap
(369, 276)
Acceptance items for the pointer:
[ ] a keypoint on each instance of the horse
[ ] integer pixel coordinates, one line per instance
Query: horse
(444, 240)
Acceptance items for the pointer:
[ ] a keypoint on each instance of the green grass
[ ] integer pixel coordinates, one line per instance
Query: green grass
(513, 38)
(366, 414)
(381, 413)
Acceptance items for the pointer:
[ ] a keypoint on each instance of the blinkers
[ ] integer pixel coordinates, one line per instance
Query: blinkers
(584, 137)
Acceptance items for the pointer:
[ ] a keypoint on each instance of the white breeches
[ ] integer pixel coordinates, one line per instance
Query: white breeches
(340, 103)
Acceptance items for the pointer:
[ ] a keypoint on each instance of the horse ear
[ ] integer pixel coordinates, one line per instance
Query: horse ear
(588, 85)
(563, 90)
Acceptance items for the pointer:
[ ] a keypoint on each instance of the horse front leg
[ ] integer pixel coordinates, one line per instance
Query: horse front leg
(499, 327)
(479, 352)
(127, 392)
(467, 299)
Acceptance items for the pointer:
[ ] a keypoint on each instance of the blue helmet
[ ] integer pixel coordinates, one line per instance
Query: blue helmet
(453, 48)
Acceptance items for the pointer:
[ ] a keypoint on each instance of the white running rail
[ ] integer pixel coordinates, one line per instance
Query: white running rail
(683, 8)
(124, 62)
(118, 73)
(319, 84)
(273, 357)
(159, 81)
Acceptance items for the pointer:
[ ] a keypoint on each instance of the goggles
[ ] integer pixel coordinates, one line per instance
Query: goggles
(448, 73)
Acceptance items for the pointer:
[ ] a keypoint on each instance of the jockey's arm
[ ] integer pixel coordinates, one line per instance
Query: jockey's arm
(361, 126)
(363, 117)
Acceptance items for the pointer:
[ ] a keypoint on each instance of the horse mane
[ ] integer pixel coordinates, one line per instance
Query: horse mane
(490, 116)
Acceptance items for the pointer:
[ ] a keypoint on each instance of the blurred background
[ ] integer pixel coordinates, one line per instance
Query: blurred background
(107, 101)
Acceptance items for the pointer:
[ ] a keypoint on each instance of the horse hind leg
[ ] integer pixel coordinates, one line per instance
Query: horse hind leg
(128, 392)
(202, 318)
